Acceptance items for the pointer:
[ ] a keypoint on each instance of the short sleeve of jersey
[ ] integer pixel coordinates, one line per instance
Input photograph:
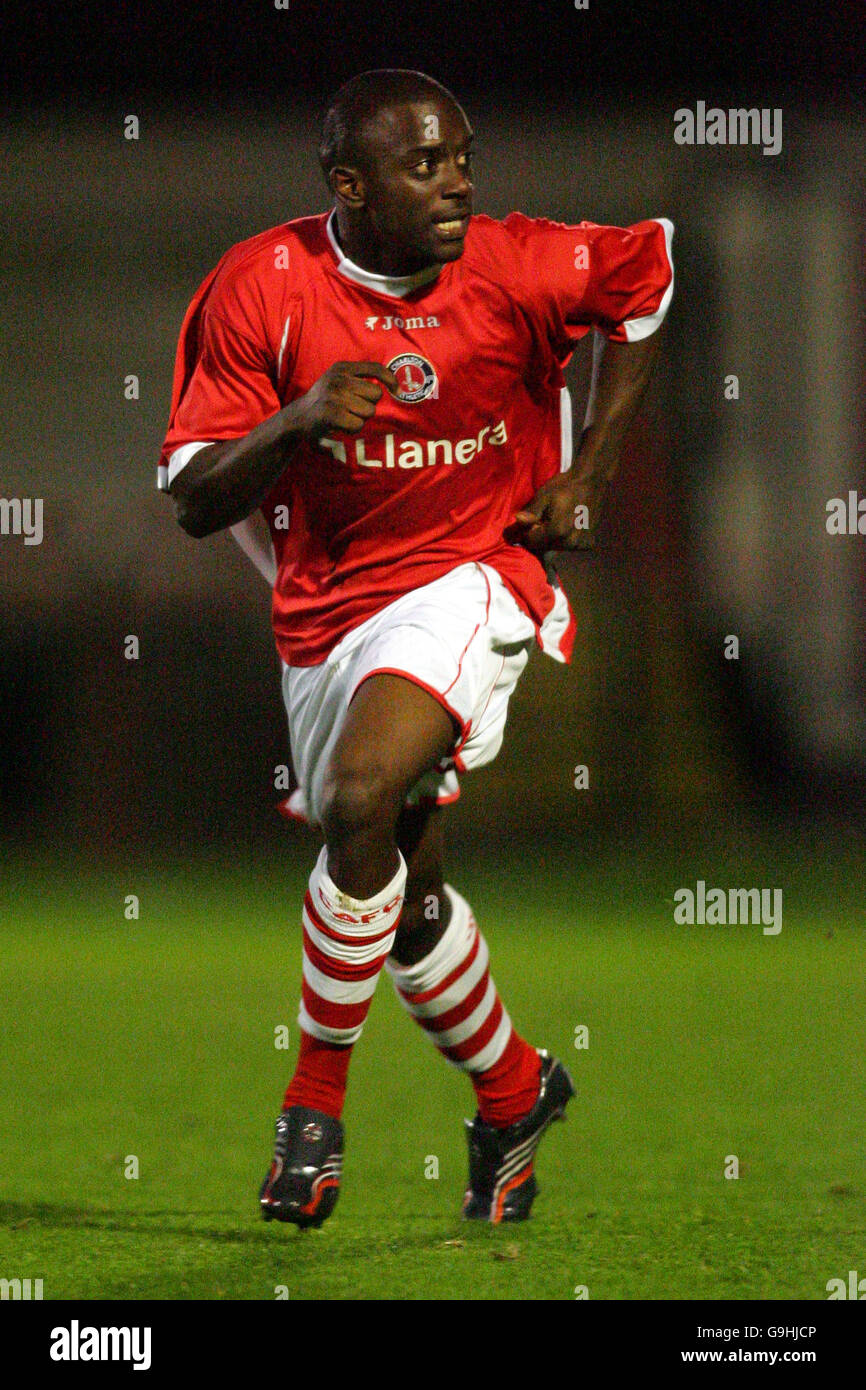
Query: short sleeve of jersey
(225, 378)
(617, 279)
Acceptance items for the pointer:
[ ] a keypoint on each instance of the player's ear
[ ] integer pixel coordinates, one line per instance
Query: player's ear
(347, 185)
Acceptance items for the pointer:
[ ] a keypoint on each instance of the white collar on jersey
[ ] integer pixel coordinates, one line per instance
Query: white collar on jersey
(396, 285)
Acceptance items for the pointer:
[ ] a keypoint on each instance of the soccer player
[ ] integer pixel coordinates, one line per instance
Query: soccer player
(384, 382)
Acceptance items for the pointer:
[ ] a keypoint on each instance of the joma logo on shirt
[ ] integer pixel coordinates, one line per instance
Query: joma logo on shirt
(415, 453)
(430, 322)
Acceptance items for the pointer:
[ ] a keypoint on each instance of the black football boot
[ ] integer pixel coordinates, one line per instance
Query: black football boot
(303, 1182)
(502, 1184)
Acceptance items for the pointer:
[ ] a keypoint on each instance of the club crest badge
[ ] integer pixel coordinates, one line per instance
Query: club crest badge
(416, 377)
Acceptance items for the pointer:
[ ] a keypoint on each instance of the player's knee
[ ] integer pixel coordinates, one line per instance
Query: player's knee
(356, 803)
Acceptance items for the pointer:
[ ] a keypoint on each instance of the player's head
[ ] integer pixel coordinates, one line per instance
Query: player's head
(396, 151)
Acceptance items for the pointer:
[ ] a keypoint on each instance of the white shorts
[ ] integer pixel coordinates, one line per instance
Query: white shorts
(463, 638)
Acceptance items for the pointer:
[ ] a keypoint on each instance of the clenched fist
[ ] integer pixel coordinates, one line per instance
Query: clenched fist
(343, 398)
(563, 515)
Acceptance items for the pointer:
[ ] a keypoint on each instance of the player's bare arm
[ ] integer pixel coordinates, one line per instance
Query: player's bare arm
(550, 521)
(227, 481)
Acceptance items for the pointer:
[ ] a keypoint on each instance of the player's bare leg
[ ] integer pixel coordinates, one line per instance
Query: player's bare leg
(426, 906)
(392, 734)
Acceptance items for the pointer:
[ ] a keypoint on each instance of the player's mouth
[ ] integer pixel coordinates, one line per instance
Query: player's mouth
(451, 228)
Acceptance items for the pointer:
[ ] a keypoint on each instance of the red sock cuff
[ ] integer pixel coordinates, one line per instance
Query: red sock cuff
(320, 1077)
(508, 1090)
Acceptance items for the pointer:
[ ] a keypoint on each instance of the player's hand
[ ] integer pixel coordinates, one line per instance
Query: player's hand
(342, 400)
(563, 515)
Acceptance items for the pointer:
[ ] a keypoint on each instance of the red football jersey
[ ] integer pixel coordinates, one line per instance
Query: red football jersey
(481, 420)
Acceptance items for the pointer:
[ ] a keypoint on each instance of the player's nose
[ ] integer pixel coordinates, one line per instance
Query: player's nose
(456, 182)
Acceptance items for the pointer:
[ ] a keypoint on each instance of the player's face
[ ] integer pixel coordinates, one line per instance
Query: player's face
(417, 188)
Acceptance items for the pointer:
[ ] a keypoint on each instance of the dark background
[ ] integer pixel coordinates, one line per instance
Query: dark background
(717, 523)
(233, 55)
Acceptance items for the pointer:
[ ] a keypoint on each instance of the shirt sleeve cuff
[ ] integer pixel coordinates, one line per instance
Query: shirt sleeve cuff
(179, 459)
(636, 329)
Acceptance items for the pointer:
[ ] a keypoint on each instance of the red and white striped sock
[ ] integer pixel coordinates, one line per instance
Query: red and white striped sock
(451, 994)
(346, 941)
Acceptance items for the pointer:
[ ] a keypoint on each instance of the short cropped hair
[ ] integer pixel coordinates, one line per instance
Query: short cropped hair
(359, 99)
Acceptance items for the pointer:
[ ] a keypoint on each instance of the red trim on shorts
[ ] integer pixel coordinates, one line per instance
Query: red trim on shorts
(437, 695)
(443, 799)
(475, 632)
(463, 741)
(566, 645)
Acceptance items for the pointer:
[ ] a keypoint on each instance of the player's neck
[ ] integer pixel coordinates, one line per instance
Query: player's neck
(367, 255)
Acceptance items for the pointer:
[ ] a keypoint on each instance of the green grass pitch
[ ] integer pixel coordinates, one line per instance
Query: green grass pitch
(155, 1038)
